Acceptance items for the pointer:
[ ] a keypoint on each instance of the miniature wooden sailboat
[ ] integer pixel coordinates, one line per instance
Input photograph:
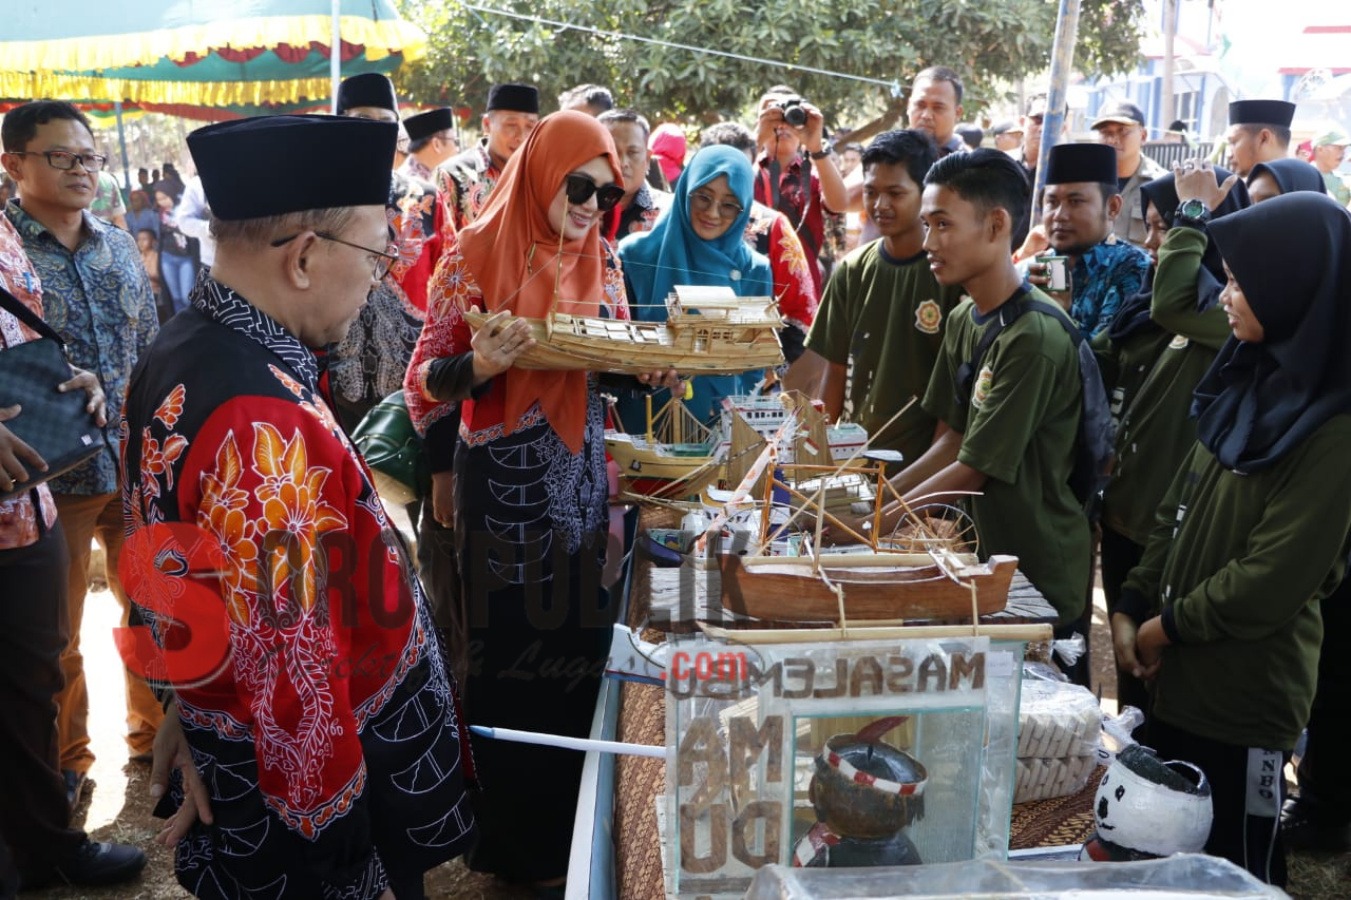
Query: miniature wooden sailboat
(875, 585)
(678, 457)
(926, 576)
(708, 331)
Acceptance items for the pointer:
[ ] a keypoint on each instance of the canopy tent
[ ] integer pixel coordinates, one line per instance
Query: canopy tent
(201, 59)
(218, 53)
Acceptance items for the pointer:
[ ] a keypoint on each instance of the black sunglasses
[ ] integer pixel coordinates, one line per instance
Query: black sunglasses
(579, 189)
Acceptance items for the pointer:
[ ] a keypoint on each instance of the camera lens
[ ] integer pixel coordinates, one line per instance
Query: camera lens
(795, 116)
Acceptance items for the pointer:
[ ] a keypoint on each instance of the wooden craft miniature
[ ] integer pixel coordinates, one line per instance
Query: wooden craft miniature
(708, 331)
(872, 586)
(677, 457)
(923, 572)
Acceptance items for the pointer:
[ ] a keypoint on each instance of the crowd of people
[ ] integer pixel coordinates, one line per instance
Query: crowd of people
(232, 332)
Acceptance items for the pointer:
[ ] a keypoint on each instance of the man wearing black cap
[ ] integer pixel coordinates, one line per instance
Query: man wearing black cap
(313, 703)
(431, 141)
(1080, 202)
(467, 179)
(369, 363)
(1122, 127)
(1259, 131)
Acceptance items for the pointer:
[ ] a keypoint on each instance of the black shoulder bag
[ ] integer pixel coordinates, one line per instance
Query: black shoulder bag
(52, 423)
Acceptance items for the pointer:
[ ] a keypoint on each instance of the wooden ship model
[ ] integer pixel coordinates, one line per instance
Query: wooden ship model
(925, 571)
(708, 331)
(678, 457)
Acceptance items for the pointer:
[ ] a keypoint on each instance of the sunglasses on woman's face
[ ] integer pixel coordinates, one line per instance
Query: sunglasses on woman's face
(579, 189)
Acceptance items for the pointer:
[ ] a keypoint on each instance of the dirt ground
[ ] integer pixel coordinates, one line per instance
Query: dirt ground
(117, 805)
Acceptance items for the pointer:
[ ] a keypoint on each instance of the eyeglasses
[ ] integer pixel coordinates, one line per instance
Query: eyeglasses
(64, 160)
(382, 261)
(579, 189)
(703, 202)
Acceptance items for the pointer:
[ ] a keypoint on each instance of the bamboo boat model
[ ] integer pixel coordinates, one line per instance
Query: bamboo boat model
(708, 331)
(925, 574)
(679, 457)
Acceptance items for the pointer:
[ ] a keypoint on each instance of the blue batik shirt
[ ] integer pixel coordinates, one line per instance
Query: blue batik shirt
(1103, 278)
(98, 299)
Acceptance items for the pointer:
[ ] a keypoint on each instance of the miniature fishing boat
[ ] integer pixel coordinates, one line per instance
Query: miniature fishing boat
(708, 331)
(875, 585)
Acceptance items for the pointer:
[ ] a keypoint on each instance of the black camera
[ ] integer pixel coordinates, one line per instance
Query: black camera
(794, 113)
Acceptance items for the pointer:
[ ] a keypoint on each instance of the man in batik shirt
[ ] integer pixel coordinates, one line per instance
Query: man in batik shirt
(98, 298)
(1080, 204)
(431, 141)
(467, 179)
(322, 724)
(642, 204)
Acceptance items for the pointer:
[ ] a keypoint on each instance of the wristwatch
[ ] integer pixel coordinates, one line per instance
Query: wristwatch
(822, 153)
(1193, 212)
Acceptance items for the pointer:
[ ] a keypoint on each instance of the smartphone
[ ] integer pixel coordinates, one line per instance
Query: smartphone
(1057, 272)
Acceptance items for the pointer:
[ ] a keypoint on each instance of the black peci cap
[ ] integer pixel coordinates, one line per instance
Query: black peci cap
(424, 125)
(346, 162)
(515, 97)
(1073, 163)
(1261, 112)
(367, 89)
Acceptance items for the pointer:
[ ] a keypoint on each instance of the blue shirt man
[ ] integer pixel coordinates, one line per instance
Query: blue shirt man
(1078, 209)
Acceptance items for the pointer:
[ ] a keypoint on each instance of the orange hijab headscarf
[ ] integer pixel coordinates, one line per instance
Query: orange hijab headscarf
(512, 249)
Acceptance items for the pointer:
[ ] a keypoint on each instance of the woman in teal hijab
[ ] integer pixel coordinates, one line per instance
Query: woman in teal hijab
(698, 240)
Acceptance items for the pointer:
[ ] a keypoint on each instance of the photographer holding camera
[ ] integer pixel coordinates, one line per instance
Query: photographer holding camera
(794, 172)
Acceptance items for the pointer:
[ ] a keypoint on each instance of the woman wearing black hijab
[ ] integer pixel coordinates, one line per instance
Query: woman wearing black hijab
(1281, 176)
(1159, 345)
(1222, 614)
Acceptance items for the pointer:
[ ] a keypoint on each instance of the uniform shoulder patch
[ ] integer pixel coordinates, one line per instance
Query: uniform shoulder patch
(929, 317)
(980, 392)
(1178, 342)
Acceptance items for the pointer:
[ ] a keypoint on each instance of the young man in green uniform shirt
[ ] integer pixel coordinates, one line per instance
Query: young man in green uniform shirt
(880, 325)
(1222, 614)
(1011, 435)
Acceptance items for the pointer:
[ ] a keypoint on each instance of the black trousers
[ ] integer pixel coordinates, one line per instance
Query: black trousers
(1247, 789)
(34, 628)
(1120, 554)
(1322, 780)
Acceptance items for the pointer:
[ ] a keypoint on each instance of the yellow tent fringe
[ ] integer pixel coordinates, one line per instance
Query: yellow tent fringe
(202, 93)
(146, 48)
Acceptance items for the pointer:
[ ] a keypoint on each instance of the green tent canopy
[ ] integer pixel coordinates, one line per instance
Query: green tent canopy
(245, 54)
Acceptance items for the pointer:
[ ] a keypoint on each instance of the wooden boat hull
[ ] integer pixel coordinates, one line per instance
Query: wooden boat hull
(792, 592)
(632, 348)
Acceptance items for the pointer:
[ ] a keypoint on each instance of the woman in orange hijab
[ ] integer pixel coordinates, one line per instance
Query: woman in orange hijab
(530, 495)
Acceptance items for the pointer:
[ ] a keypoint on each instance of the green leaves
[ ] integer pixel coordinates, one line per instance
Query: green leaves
(987, 41)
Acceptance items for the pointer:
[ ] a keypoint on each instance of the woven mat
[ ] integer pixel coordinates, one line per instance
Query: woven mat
(638, 781)
(1055, 822)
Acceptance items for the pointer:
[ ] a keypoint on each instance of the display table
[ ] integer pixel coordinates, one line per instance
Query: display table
(661, 605)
